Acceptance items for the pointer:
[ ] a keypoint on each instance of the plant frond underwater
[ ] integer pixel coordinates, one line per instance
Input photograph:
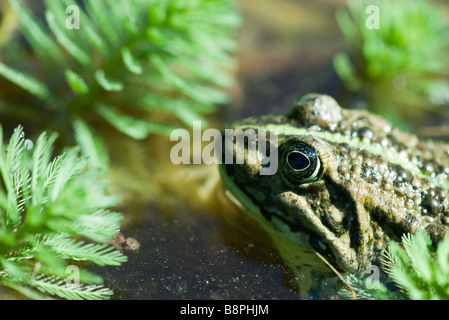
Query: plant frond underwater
(415, 267)
(402, 57)
(142, 66)
(53, 212)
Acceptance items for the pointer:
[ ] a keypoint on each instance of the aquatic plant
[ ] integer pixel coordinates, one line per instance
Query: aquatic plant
(397, 56)
(141, 66)
(417, 269)
(53, 215)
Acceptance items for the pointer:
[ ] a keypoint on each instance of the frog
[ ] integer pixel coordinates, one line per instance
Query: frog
(348, 182)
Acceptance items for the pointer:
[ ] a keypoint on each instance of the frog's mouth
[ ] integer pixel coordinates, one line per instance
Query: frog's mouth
(306, 241)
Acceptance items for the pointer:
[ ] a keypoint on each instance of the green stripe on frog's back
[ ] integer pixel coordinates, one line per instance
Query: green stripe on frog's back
(393, 156)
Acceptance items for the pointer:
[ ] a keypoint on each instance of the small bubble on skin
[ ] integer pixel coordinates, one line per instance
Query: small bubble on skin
(401, 191)
(367, 172)
(383, 168)
(378, 147)
(409, 204)
(384, 142)
(366, 134)
(430, 170)
(416, 184)
(392, 176)
(333, 126)
(377, 176)
(403, 155)
(347, 133)
(387, 186)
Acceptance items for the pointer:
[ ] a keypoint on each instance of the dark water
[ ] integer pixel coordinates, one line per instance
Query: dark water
(195, 255)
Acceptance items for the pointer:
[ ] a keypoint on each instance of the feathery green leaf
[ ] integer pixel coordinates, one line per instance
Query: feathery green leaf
(44, 203)
(59, 287)
(91, 146)
(24, 81)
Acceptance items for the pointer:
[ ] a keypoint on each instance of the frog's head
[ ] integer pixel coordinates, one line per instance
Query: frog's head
(305, 200)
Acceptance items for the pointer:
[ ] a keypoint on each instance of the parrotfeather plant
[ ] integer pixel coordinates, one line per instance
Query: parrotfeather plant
(142, 66)
(397, 56)
(53, 213)
(417, 269)
(139, 66)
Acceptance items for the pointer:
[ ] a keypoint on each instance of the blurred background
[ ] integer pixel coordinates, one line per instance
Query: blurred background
(191, 243)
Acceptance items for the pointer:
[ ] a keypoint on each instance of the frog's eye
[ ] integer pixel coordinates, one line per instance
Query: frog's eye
(300, 163)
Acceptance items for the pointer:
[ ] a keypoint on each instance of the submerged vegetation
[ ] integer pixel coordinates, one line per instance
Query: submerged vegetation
(398, 57)
(53, 214)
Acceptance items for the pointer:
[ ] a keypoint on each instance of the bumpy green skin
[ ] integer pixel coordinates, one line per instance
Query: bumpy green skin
(378, 183)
